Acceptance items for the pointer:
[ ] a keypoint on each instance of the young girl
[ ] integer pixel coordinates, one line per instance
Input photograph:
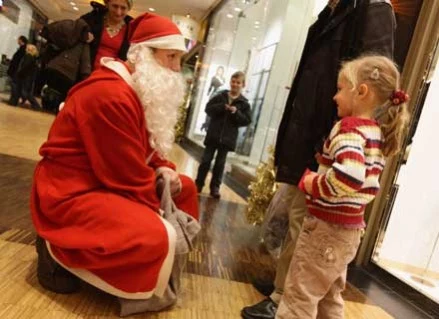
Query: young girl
(374, 113)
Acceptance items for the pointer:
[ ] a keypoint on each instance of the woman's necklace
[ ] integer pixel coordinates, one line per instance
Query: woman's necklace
(113, 30)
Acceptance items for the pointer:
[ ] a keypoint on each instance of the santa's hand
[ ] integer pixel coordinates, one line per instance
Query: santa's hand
(173, 177)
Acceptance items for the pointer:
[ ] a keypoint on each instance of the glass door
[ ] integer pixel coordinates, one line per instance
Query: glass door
(408, 243)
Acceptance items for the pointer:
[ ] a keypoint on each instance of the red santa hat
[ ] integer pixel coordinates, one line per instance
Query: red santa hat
(157, 32)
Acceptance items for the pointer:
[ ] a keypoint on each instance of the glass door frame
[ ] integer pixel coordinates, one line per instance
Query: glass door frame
(420, 59)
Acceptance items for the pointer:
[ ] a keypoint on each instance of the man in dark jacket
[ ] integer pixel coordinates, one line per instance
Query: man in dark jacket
(228, 110)
(67, 59)
(13, 68)
(344, 30)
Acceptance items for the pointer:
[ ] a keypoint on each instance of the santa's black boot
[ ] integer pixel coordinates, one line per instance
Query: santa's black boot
(51, 275)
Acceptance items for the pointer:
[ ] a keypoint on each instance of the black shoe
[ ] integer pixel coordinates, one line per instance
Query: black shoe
(266, 288)
(51, 275)
(199, 188)
(266, 309)
(214, 192)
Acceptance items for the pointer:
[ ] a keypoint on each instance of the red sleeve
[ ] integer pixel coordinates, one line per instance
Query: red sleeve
(113, 138)
(156, 162)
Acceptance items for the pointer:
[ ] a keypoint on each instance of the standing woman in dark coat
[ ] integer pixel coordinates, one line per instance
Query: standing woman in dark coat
(13, 68)
(26, 74)
(109, 26)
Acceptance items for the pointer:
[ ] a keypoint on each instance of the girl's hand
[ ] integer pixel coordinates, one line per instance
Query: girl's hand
(318, 158)
(308, 182)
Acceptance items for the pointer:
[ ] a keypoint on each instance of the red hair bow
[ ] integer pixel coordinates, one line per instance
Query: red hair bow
(398, 97)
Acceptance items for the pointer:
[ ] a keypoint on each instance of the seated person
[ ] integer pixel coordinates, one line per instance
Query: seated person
(94, 202)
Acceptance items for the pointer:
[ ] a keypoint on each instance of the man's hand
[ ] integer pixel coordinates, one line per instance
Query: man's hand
(308, 182)
(90, 37)
(333, 3)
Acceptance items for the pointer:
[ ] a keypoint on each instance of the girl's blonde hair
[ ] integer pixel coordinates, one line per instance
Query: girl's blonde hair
(382, 76)
(32, 50)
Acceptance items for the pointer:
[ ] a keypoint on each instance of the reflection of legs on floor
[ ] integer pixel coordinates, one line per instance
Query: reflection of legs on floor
(218, 171)
(204, 167)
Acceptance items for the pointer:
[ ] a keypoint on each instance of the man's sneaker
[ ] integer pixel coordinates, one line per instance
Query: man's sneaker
(266, 309)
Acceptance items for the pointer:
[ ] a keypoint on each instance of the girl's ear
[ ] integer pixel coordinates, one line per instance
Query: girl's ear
(363, 91)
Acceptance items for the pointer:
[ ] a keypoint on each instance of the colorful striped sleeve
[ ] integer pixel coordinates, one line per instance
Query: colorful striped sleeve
(348, 172)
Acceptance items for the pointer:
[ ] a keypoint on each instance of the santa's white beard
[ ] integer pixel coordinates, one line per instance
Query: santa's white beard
(161, 92)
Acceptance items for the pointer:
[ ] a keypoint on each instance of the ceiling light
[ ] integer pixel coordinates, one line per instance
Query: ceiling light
(238, 9)
(256, 27)
(75, 8)
(151, 9)
(257, 22)
(229, 15)
(72, 3)
(188, 15)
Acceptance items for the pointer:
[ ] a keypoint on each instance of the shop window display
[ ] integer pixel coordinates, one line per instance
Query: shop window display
(245, 37)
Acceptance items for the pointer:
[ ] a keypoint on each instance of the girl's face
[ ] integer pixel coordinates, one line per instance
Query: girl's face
(344, 98)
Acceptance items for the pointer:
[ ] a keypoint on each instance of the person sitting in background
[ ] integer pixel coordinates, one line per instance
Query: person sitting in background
(109, 25)
(67, 59)
(13, 68)
(94, 202)
(228, 111)
(26, 74)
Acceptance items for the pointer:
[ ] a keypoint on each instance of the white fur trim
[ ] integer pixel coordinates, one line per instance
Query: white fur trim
(162, 281)
(170, 42)
(165, 271)
(119, 68)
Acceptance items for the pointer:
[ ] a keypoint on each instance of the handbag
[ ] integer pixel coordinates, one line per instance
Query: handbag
(186, 228)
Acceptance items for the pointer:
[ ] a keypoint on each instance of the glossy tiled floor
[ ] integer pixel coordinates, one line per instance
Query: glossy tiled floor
(226, 256)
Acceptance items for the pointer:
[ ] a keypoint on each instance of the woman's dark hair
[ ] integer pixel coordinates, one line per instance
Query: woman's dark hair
(23, 39)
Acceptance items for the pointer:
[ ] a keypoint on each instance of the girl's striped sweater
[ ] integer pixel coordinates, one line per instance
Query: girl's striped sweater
(349, 172)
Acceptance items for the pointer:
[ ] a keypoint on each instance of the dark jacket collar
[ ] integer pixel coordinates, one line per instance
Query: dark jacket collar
(241, 97)
(343, 10)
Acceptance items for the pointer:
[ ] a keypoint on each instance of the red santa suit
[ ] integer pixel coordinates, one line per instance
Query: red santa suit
(94, 198)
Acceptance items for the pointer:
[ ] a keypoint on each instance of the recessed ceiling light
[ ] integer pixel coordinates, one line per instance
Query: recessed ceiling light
(238, 9)
(75, 8)
(256, 26)
(151, 9)
(229, 15)
(188, 15)
(72, 3)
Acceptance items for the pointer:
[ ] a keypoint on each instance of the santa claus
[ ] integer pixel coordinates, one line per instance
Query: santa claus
(94, 201)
